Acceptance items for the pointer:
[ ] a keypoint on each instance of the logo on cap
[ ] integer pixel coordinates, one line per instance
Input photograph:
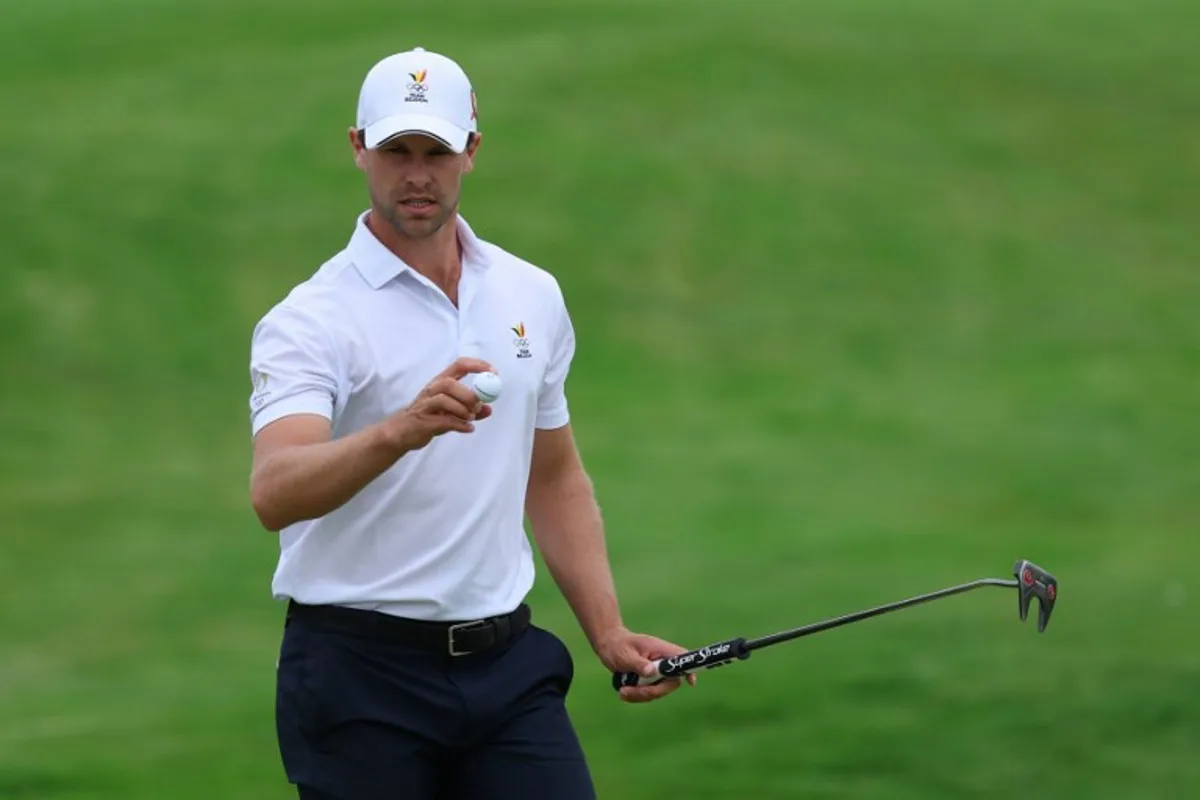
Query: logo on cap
(416, 89)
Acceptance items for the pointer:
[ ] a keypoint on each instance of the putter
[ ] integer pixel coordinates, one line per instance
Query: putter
(1029, 580)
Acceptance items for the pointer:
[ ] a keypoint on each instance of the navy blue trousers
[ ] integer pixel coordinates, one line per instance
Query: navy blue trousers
(362, 718)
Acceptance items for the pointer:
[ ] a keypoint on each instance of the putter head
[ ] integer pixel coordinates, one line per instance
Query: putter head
(1033, 581)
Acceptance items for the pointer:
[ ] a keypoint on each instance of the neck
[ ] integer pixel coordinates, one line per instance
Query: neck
(436, 257)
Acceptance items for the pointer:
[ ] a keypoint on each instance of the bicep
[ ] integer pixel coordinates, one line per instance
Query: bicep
(555, 456)
(291, 431)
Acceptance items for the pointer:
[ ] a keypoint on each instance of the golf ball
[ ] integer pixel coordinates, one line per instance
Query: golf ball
(487, 386)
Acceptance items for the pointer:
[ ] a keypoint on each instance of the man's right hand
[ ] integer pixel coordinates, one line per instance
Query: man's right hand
(301, 472)
(445, 404)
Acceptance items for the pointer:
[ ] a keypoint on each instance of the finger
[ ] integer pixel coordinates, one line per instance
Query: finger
(484, 411)
(447, 405)
(662, 648)
(460, 392)
(650, 670)
(461, 367)
(645, 694)
(444, 423)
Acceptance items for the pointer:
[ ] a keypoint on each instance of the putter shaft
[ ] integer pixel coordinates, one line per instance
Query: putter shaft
(846, 619)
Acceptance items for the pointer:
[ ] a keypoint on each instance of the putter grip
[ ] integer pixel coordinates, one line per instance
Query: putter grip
(714, 655)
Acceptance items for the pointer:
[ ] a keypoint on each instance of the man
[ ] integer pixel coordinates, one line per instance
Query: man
(409, 665)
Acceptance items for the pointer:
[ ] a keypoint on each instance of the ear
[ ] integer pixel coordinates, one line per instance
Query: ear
(356, 146)
(472, 148)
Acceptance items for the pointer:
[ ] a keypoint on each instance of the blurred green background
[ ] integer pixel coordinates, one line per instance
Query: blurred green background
(872, 298)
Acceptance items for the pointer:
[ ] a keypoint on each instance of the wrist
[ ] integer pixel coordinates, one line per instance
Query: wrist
(602, 637)
(392, 435)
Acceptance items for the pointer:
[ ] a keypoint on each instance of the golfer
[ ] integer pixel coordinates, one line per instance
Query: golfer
(410, 666)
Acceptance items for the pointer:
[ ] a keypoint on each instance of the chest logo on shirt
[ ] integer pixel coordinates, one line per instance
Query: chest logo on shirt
(521, 342)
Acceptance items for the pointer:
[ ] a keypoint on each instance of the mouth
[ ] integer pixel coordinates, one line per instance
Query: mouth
(418, 205)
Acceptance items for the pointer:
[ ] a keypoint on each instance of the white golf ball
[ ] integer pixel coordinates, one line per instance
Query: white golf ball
(487, 386)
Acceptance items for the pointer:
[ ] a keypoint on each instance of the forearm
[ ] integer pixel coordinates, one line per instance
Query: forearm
(569, 531)
(308, 481)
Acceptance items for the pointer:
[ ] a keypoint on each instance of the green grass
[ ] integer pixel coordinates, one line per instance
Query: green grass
(871, 298)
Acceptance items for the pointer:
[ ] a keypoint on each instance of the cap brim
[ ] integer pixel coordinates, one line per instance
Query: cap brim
(447, 133)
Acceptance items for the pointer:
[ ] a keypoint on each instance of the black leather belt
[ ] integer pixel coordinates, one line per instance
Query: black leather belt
(455, 638)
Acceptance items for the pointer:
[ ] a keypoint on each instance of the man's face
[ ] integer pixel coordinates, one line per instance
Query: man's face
(415, 182)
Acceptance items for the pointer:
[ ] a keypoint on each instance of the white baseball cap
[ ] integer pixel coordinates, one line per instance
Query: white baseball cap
(417, 92)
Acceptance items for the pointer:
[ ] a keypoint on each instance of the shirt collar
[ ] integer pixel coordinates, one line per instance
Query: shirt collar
(378, 265)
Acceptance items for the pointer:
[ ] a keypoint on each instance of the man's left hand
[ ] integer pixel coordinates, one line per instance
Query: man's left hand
(625, 651)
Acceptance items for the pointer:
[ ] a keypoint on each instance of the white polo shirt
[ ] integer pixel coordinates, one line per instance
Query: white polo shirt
(440, 534)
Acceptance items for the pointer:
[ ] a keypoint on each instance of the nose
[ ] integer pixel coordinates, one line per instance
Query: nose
(419, 171)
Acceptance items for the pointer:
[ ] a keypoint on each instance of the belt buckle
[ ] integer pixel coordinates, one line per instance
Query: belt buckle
(459, 626)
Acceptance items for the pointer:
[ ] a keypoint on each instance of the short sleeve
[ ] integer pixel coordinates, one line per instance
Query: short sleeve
(552, 411)
(293, 368)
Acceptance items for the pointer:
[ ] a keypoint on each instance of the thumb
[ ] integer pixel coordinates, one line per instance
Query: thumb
(464, 366)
